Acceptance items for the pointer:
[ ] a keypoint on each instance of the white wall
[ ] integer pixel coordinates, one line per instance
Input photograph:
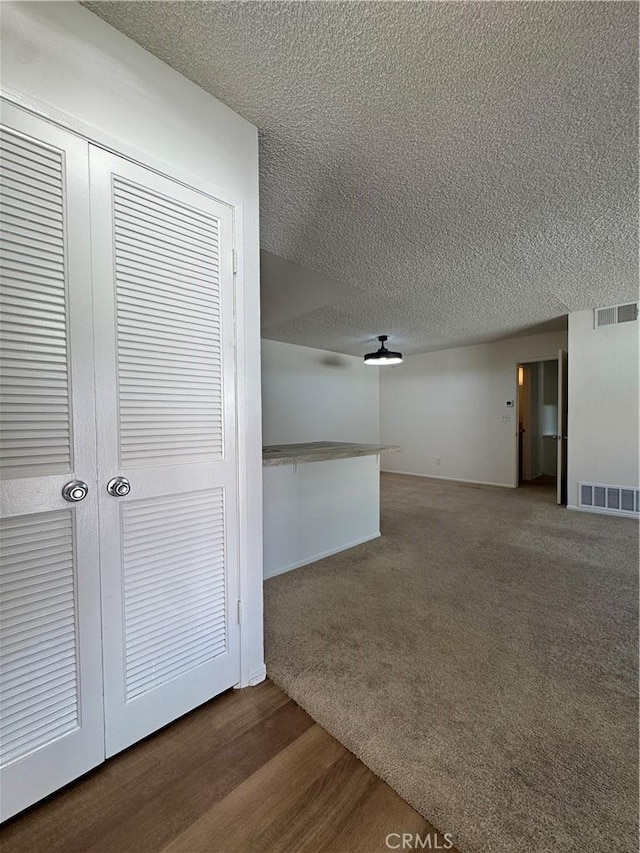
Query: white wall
(318, 508)
(70, 66)
(451, 404)
(603, 404)
(314, 395)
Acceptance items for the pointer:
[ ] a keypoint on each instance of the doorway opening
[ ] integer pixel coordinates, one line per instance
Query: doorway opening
(538, 423)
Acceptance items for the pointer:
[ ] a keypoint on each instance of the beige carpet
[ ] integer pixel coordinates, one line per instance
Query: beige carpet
(481, 658)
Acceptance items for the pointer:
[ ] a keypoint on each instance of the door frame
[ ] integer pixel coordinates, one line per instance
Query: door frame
(248, 380)
(524, 457)
(520, 363)
(563, 433)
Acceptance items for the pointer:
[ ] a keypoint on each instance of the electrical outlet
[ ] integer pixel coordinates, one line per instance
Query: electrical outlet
(506, 418)
(438, 460)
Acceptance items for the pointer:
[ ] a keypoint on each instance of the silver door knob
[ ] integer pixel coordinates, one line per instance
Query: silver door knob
(74, 491)
(119, 487)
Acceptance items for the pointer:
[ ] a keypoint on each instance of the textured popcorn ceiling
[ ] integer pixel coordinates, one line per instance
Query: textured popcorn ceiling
(470, 168)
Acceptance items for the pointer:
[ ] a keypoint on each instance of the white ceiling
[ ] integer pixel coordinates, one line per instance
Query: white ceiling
(468, 168)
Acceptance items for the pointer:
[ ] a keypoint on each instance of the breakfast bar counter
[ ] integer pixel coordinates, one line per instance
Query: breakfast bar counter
(319, 498)
(319, 451)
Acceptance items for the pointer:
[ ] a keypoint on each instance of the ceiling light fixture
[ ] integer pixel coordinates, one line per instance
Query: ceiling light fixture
(383, 355)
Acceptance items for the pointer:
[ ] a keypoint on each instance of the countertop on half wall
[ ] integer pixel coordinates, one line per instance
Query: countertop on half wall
(319, 451)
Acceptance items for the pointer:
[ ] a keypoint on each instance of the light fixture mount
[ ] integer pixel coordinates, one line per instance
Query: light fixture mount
(383, 355)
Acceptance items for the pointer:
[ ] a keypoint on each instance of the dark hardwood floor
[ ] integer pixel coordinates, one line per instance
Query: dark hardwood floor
(248, 771)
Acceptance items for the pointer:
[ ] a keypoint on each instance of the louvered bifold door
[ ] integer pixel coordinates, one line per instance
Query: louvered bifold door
(51, 722)
(165, 348)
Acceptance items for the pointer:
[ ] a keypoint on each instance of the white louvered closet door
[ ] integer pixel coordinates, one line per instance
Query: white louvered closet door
(165, 383)
(51, 720)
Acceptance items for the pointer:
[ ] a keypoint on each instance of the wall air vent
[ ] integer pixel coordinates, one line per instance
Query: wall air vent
(614, 315)
(618, 499)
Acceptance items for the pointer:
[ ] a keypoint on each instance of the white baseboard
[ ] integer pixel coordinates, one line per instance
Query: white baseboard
(449, 479)
(271, 573)
(256, 677)
(620, 513)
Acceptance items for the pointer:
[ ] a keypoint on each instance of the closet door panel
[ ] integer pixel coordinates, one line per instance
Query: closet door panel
(174, 586)
(36, 434)
(166, 421)
(51, 721)
(168, 329)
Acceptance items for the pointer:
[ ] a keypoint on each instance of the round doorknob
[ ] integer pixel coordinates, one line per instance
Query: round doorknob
(74, 491)
(118, 487)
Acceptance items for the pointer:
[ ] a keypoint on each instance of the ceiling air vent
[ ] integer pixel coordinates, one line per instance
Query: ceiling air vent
(614, 315)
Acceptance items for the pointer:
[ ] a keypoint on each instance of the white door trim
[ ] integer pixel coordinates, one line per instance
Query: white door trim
(521, 362)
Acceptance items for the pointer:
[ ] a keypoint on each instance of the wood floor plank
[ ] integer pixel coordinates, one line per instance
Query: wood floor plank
(380, 814)
(240, 821)
(228, 738)
(312, 820)
(188, 793)
(248, 771)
